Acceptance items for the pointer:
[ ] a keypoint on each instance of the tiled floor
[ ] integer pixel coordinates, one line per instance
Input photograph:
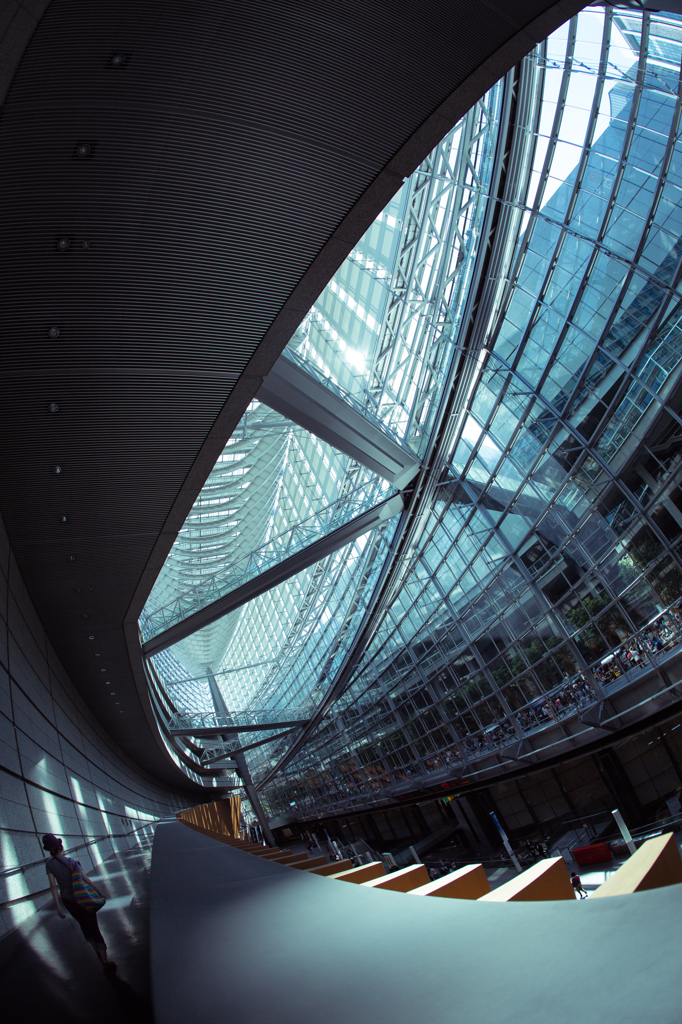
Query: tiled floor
(49, 973)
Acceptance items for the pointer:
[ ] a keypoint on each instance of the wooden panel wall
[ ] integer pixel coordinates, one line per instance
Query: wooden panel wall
(222, 816)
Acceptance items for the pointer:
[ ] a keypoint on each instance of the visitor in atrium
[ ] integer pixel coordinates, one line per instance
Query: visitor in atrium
(578, 886)
(60, 874)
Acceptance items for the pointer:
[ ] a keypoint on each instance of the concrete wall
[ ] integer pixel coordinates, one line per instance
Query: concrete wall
(59, 770)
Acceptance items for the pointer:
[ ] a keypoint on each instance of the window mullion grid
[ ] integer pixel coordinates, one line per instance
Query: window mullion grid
(547, 610)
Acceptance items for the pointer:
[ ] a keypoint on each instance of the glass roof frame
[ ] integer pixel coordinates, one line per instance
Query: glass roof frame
(427, 175)
(312, 758)
(554, 395)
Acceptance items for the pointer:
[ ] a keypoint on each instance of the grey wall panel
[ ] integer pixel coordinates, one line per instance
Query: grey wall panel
(59, 771)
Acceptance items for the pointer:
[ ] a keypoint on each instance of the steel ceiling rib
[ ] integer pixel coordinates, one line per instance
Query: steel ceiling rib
(218, 730)
(249, 746)
(433, 642)
(293, 393)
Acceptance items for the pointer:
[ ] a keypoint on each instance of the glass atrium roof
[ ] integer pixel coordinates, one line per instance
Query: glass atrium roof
(513, 319)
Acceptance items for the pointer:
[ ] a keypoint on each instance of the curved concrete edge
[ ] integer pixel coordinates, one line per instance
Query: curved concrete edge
(237, 938)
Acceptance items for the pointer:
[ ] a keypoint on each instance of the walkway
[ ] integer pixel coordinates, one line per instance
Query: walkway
(49, 973)
(236, 938)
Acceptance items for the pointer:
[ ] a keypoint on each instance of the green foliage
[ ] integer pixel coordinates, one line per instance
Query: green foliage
(610, 623)
(644, 553)
(665, 578)
(514, 663)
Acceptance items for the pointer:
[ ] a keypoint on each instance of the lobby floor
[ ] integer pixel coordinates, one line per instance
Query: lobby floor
(48, 972)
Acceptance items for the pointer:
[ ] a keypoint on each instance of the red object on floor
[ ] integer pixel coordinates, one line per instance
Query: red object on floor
(597, 853)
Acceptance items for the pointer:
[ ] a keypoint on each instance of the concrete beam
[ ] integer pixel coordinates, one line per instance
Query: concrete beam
(546, 880)
(334, 868)
(242, 939)
(364, 873)
(467, 883)
(401, 881)
(656, 863)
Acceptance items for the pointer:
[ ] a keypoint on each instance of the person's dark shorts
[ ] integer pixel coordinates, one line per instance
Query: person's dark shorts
(87, 921)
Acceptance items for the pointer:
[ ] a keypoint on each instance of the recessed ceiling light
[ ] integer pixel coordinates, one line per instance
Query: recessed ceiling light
(53, 332)
(63, 244)
(91, 638)
(107, 683)
(70, 558)
(65, 519)
(98, 655)
(57, 470)
(102, 670)
(118, 60)
(86, 245)
(53, 407)
(85, 615)
(83, 149)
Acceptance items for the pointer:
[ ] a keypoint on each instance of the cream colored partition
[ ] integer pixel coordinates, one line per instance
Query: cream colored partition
(546, 880)
(467, 883)
(401, 881)
(656, 863)
(363, 873)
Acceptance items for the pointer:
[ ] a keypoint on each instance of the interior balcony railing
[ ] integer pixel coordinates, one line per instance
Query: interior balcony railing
(643, 656)
(215, 724)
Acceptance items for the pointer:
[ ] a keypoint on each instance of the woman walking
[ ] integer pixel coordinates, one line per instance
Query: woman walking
(59, 873)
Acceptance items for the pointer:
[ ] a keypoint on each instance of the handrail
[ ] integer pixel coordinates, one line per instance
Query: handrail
(672, 821)
(5, 872)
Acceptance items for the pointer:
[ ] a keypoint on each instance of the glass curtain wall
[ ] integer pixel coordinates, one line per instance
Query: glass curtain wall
(548, 569)
(383, 336)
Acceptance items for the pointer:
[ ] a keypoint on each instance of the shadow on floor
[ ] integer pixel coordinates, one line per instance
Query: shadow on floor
(49, 973)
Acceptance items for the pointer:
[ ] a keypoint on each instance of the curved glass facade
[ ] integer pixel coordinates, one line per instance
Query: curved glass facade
(514, 318)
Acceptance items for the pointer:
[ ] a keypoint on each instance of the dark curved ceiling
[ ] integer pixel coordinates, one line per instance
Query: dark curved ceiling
(236, 155)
